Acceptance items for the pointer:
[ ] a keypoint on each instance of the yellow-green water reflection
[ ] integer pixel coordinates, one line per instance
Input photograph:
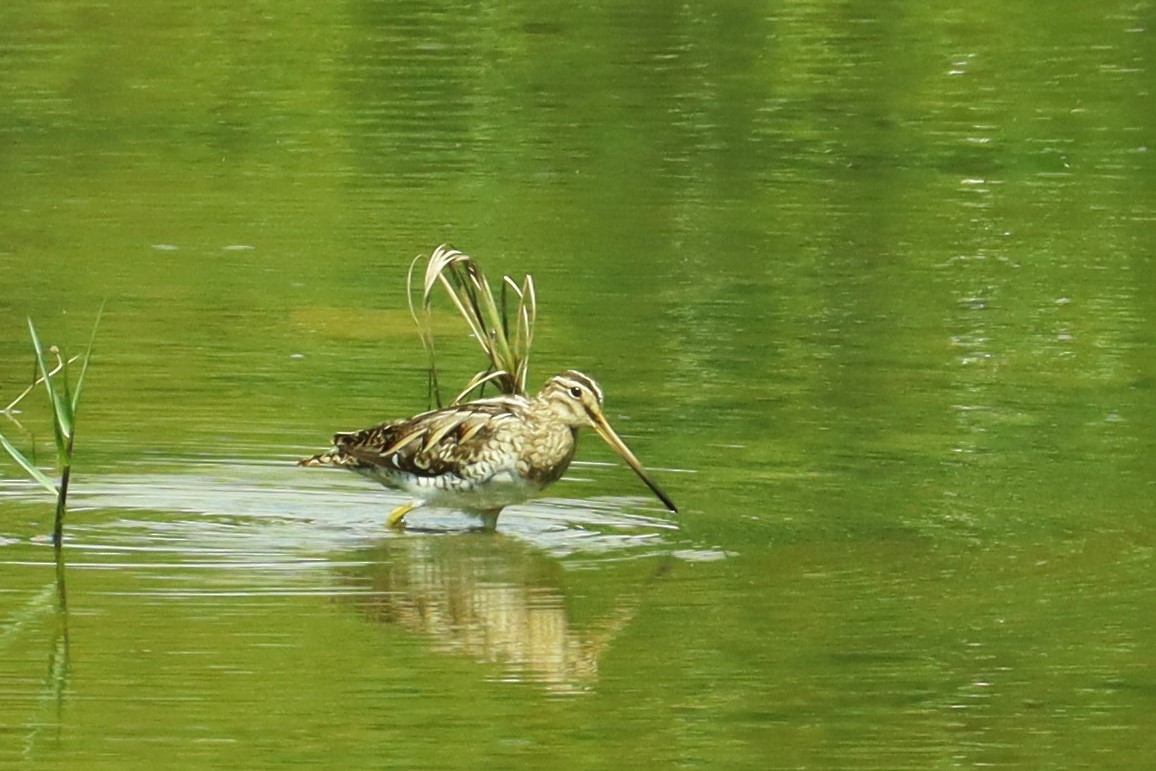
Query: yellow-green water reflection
(869, 287)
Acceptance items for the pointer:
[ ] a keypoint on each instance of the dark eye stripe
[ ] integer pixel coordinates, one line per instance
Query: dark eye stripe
(571, 378)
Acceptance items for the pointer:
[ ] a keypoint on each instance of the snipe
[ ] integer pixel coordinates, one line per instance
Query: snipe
(484, 455)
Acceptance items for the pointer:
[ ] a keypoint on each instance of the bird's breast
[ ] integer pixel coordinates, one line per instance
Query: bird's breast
(546, 454)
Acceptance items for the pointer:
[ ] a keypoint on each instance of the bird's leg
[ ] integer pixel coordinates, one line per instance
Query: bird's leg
(490, 519)
(397, 515)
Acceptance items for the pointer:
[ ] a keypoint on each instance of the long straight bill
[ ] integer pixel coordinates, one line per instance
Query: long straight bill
(606, 432)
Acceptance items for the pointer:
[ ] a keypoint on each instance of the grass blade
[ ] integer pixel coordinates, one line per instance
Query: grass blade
(479, 380)
(504, 336)
(75, 400)
(28, 466)
(424, 330)
(62, 425)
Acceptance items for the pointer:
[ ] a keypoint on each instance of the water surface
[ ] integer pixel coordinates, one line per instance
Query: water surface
(869, 288)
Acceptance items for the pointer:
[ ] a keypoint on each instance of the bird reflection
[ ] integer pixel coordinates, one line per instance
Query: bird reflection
(492, 598)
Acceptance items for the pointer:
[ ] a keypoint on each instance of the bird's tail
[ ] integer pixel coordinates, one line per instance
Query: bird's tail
(331, 458)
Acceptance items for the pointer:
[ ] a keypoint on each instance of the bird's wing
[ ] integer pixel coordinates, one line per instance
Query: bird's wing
(431, 443)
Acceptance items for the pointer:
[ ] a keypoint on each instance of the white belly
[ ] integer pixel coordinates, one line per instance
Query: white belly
(502, 489)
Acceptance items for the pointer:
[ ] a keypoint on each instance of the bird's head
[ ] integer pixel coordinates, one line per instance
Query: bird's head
(576, 400)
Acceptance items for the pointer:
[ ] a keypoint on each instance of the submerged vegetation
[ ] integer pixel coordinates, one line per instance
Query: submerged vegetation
(503, 324)
(65, 399)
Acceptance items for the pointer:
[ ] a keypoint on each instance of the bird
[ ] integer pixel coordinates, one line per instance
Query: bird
(483, 455)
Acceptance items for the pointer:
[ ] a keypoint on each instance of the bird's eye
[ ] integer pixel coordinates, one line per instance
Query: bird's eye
(576, 392)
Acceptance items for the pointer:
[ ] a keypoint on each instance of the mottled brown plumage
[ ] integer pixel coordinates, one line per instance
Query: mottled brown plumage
(483, 455)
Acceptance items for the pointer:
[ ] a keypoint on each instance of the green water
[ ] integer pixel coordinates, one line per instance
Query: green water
(871, 288)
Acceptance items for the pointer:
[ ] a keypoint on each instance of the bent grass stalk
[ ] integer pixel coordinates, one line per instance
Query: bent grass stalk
(65, 399)
(38, 379)
(489, 318)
